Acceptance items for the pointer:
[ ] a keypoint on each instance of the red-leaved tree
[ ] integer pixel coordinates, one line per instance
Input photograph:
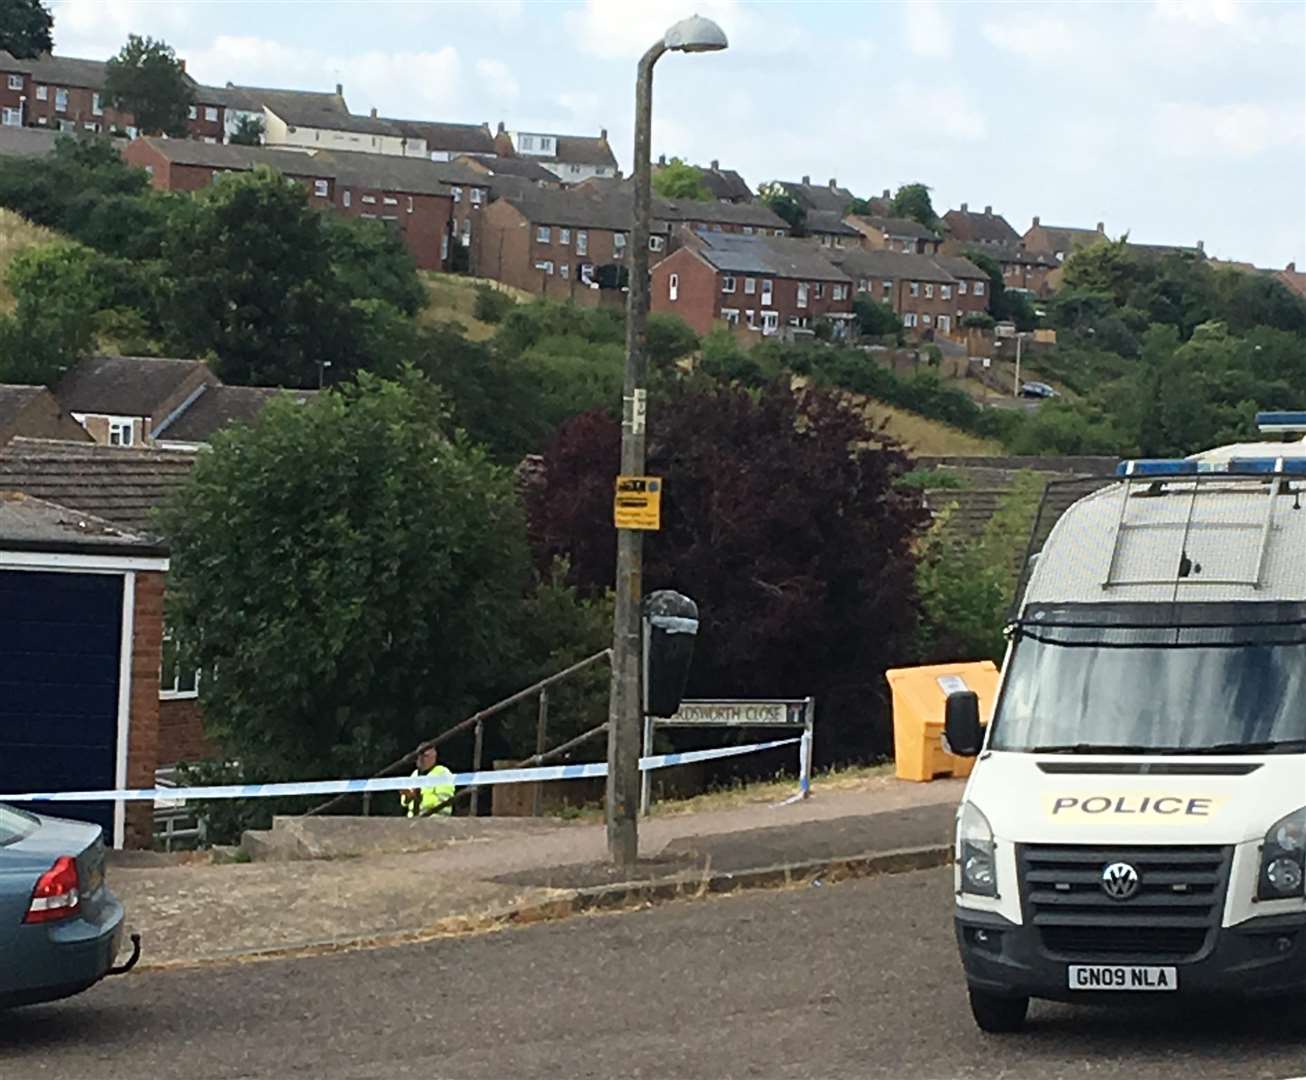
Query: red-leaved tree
(780, 518)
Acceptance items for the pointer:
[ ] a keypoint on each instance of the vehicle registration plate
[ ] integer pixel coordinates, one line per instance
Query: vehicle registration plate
(1122, 977)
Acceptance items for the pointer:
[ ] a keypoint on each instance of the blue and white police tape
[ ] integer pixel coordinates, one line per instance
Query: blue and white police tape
(388, 783)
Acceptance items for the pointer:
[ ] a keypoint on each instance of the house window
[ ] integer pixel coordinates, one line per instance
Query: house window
(915, 288)
(818, 290)
(673, 287)
(838, 241)
(526, 142)
(15, 81)
(825, 240)
(211, 113)
(929, 290)
(619, 242)
(751, 317)
(457, 194)
(909, 319)
(716, 228)
(178, 675)
(886, 287)
(478, 196)
(390, 200)
(779, 232)
(346, 198)
(731, 316)
(467, 232)
(582, 242)
(543, 234)
(320, 188)
(564, 270)
(210, 140)
(191, 112)
(750, 286)
(11, 117)
(926, 320)
(545, 265)
(945, 323)
(574, 170)
(122, 430)
(961, 288)
(546, 144)
(945, 292)
(42, 93)
(766, 290)
(587, 273)
(60, 99)
(748, 230)
(369, 199)
(656, 243)
(838, 292)
(90, 125)
(979, 288)
(96, 108)
(727, 283)
(770, 322)
(802, 294)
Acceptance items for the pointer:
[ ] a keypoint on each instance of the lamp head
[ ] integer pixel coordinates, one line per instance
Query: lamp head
(695, 34)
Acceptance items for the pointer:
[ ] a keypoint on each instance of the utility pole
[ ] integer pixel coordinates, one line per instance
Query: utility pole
(626, 698)
(1019, 338)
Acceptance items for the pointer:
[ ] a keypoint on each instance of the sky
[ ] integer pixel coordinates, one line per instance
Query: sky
(1172, 120)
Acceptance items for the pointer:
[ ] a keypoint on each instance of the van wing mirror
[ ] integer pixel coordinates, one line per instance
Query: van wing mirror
(962, 734)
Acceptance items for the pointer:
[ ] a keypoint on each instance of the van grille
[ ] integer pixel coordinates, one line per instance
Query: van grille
(1177, 906)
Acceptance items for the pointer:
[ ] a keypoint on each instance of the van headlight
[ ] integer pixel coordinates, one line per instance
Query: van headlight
(1283, 859)
(979, 872)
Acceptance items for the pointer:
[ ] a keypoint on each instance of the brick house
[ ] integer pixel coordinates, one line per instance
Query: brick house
(829, 229)
(33, 412)
(907, 235)
(745, 218)
(932, 293)
(1024, 269)
(829, 197)
(63, 93)
(120, 400)
(183, 165)
(444, 141)
(571, 158)
(250, 103)
(752, 283)
(1060, 241)
(967, 229)
(215, 408)
(725, 185)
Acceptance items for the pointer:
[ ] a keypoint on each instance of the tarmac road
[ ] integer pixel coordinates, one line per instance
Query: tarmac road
(848, 980)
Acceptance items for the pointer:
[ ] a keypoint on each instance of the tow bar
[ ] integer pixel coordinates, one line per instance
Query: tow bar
(122, 969)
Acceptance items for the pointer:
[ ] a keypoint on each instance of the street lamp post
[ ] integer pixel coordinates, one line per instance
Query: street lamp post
(626, 700)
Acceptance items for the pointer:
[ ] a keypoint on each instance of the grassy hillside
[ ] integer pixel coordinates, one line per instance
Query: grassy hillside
(926, 436)
(452, 298)
(16, 234)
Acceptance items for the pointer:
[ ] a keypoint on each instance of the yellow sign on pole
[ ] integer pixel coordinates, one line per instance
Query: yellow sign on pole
(638, 503)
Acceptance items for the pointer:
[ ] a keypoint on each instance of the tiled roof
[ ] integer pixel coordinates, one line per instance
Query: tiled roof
(232, 156)
(123, 485)
(986, 228)
(316, 103)
(880, 263)
(123, 385)
(579, 150)
(1159, 250)
(818, 196)
(57, 70)
(777, 256)
(901, 227)
(1014, 253)
(1293, 279)
(726, 184)
(218, 407)
(1068, 237)
(959, 267)
(610, 205)
(714, 212)
(451, 138)
(29, 523)
(829, 222)
(494, 165)
(26, 142)
(385, 172)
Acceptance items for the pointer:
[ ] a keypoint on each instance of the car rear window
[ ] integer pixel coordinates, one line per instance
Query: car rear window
(16, 824)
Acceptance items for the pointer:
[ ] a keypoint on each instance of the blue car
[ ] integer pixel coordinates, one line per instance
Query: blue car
(60, 927)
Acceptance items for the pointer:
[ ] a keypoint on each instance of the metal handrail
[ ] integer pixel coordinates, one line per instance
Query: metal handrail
(474, 720)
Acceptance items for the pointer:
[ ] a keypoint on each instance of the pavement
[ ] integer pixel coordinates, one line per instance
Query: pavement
(392, 880)
(859, 979)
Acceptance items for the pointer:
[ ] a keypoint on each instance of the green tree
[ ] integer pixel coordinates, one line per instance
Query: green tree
(966, 583)
(679, 180)
(249, 131)
(25, 28)
(1004, 305)
(668, 338)
(349, 577)
(784, 206)
(60, 189)
(147, 80)
(913, 201)
(53, 325)
(875, 319)
(250, 281)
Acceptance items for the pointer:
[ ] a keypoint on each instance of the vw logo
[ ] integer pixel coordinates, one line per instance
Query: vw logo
(1120, 881)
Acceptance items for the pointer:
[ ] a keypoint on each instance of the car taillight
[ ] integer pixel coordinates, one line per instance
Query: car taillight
(56, 894)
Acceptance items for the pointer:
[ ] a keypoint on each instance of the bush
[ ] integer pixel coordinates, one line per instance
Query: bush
(492, 304)
(981, 320)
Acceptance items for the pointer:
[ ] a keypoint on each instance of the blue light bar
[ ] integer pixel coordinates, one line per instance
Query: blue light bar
(1157, 467)
(1293, 466)
(1281, 421)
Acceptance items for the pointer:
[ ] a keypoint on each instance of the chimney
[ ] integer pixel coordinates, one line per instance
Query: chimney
(662, 159)
(807, 179)
(886, 194)
(1035, 225)
(1291, 268)
(1201, 246)
(501, 127)
(373, 112)
(1101, 226)
(603, 134)
(965, 209)
(340, 89)
(988, 211)
(833, 183)
(716, 165)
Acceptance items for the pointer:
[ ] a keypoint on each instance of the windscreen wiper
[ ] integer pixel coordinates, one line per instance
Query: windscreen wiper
(1281, 746)
(1091, 748)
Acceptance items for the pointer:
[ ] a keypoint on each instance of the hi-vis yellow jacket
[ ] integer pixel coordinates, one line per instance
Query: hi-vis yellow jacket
(429, 798)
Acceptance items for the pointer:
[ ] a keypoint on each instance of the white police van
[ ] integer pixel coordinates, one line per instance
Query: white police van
(1136, 821)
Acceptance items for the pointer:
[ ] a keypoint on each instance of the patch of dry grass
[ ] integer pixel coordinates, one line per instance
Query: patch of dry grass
(452, 298)
(16, 234)
(926, 436)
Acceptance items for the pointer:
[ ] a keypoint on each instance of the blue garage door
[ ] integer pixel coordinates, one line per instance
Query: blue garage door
(59, 655)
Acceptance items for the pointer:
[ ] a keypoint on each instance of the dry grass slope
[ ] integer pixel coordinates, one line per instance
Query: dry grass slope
(452, 298)
(16, 234)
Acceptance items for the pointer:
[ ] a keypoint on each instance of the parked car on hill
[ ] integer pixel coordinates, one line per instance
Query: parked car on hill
(60, 926)
(1037, 390)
